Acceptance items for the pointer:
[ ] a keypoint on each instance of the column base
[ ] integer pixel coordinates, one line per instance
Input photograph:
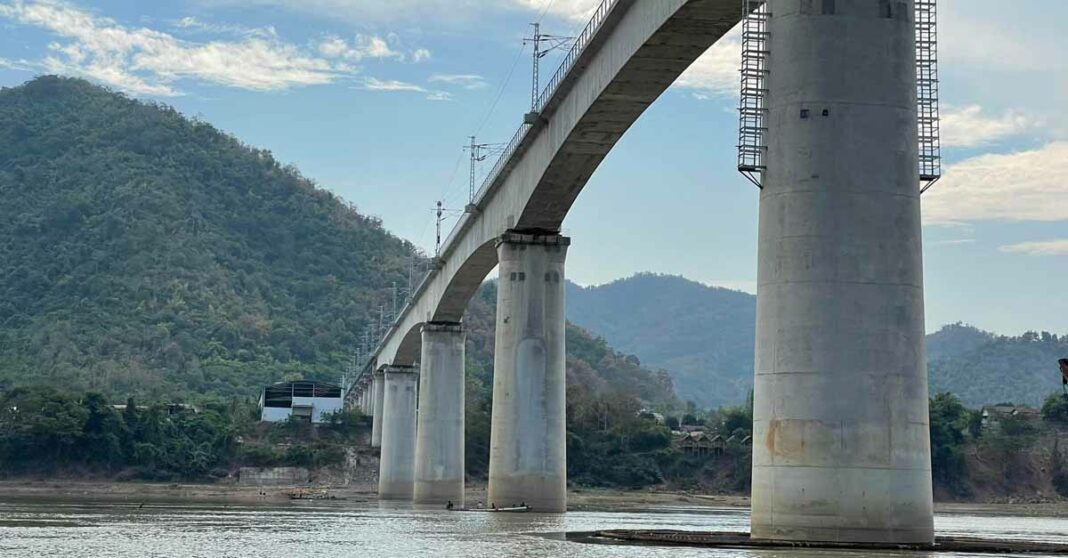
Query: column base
(540, 494)
(439, 493)
(395, 491)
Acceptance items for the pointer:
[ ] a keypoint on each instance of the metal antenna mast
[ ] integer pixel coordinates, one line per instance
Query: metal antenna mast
(394, 299)
(437, 245)
(411, 276)
(553, 42)
(479, 152)
(442, 214)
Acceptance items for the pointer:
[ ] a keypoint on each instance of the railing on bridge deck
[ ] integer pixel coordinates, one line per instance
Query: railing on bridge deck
(579, 46)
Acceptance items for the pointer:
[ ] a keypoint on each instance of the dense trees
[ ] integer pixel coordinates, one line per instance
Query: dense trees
(144, 253)
(981, 368)
(45, 431)
(950, 423)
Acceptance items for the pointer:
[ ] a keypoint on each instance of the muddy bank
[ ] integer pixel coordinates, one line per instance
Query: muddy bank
(579, 499)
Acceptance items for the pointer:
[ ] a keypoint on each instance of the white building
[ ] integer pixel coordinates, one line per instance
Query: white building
(305, 400)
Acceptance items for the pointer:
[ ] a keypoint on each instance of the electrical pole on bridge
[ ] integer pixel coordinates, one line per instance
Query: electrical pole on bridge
(552, 42)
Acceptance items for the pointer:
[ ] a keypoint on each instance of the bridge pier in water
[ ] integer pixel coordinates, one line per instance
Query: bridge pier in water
(841, 448)
(396, 474)
(377, 395)
(527, 437)
(439, 448)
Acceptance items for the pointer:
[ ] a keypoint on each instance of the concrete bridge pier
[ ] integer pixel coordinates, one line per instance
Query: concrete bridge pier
(396, 474)
(841, 448)
(377, 399)
(527, 438)
(439, 446)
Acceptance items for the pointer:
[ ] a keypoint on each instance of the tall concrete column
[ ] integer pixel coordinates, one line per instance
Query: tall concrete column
(396, 473)
(439, 446)
(527, 440)
(378, 391)
(841, 448)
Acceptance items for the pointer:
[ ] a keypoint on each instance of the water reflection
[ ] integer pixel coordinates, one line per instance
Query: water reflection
(344, 529)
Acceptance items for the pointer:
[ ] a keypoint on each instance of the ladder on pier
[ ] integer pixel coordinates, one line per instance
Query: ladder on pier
(930, 147)
(753, 104)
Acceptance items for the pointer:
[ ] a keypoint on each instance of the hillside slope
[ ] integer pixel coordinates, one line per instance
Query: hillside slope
(704, 336)
(1021, 370)
(145, 254)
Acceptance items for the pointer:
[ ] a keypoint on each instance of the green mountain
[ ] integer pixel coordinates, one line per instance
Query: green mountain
(146, 254)
(983, 368)
(704, 336)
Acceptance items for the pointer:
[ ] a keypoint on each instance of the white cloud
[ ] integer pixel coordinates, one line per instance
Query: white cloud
(1024, 186)
(993, 44)
(420, 55)
(467, 81)
(1057, 247)
(968, 126)
(362, 47)
(438, 11)
(576, 10)
(148, 62)
(715, 73)
(190, 23)
(375, 84)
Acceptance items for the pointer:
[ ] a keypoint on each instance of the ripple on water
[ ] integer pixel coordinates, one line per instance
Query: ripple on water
(109, 530)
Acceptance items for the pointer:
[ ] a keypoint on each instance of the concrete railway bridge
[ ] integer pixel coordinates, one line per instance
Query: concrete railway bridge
(841, 446)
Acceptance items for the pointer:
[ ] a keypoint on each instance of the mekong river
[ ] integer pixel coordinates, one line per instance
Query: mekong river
(358, 530)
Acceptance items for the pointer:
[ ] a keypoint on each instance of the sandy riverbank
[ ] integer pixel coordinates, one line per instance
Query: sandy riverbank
(579, 499)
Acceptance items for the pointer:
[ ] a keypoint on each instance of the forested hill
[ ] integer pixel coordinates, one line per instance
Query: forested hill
(982, 368)
(704, 336)
(145, 254)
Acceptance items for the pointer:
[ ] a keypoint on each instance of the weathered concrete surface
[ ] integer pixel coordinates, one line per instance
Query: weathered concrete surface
(642, 49)
(439, 447)
(396, 476)
(527, 438)
(841, 447)
(378, 394)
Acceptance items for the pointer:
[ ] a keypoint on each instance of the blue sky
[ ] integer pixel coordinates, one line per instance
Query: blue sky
(375, 99)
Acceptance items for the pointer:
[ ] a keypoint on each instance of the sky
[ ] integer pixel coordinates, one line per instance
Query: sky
(375, 100)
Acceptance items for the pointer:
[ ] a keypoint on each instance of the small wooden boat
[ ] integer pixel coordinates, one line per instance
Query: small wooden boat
(517, 509)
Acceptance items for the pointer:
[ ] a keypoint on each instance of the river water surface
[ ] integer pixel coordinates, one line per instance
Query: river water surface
(343, 529)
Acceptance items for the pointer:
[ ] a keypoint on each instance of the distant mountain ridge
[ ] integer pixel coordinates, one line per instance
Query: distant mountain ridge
(704, 337)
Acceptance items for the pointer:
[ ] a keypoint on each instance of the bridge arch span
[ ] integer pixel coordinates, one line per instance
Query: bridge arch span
(638, 49)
